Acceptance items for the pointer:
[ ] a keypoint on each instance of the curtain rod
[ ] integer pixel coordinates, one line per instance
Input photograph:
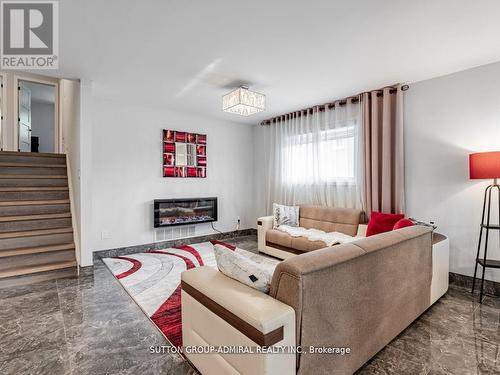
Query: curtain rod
(322, 107)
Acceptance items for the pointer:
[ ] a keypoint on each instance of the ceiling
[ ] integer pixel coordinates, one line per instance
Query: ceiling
(184, 55)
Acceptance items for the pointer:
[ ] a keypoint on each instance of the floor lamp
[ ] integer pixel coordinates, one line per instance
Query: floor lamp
(485, 165)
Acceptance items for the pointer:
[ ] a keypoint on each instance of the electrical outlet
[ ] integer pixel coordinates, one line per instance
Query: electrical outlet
(105, 235)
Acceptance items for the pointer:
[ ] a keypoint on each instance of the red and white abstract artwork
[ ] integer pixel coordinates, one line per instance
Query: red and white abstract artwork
(184, 154)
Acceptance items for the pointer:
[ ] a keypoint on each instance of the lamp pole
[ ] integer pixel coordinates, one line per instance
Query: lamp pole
(485, 262)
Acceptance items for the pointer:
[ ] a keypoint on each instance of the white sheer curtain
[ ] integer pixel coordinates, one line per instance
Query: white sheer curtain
(316, 158)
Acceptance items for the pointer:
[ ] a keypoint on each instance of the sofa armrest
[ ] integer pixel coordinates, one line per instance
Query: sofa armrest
(254, 307)
(218, 311)
(264, 224)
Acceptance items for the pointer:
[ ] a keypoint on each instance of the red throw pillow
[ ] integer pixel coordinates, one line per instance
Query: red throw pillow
(381, 223)
(403, 223)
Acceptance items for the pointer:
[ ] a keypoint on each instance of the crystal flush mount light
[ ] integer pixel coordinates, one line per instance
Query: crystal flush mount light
(243, 102)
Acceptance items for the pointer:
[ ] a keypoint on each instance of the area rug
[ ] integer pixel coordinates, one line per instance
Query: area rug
(153, 280)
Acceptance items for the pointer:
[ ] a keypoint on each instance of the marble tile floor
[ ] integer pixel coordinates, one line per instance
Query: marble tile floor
(89, 325)
(85, 325)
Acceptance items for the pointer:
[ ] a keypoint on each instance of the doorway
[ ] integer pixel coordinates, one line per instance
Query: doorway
(37, 117)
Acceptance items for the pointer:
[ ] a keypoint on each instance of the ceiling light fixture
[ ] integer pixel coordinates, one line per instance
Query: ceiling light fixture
(243, 102)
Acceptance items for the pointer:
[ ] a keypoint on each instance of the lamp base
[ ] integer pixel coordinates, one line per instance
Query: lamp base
(484, 262)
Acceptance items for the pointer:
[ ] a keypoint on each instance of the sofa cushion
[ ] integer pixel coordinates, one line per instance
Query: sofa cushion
(303, 244)
(330, 219)
(279, 238)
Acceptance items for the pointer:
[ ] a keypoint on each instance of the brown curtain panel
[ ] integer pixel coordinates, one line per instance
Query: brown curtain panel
(382, 115)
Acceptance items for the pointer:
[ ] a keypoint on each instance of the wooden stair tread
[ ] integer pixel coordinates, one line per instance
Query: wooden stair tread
(26, 270)
(36, 250)
(29, 252)
(33, 188)
(30, 176)
(38, 232)
(33, 154)
(29, 165)
(34, 217)
(34, 203)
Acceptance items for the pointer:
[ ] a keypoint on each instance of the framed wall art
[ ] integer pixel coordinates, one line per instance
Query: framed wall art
(184, 154)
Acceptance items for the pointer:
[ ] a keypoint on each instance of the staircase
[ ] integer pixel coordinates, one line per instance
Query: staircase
(36, 232)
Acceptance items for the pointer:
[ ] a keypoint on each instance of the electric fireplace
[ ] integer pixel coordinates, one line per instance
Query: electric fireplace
(170, 212)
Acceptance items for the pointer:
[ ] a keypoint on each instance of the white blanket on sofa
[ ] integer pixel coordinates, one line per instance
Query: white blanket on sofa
(330, 239)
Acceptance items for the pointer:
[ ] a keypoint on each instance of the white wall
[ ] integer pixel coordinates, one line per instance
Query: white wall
(261, 162)
(42, 125)
(69, 94)
(447, 118)
(122, 168)
(86, 218)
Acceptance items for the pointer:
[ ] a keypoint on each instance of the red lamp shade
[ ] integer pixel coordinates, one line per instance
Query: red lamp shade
(484, 165)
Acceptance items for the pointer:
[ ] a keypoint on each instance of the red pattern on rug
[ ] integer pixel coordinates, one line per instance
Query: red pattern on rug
(169, 317)
(191, 250)
(136, 265)
(217, 242)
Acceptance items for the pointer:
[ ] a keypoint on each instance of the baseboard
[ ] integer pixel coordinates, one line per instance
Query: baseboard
(490, 287)
(166, 244)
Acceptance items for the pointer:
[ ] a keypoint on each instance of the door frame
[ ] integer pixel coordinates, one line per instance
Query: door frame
(2, 107)
(45, 81)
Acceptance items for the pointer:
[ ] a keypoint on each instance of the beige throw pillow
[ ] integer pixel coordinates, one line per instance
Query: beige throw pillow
(243, 269)
(285, 215)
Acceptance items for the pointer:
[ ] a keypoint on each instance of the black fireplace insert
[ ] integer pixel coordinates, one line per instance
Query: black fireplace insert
(184, 211)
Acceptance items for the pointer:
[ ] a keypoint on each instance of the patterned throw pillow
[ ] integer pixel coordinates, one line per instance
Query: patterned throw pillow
(243, 269)
(285, 215)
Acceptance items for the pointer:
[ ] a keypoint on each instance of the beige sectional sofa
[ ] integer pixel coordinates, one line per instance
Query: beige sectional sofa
(329, 219)
(358, 296)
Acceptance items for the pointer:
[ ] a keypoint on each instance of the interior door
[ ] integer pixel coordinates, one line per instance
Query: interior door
(24, 119)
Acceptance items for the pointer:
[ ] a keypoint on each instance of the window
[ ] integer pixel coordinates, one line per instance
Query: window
(326, 157)
(316, 158)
